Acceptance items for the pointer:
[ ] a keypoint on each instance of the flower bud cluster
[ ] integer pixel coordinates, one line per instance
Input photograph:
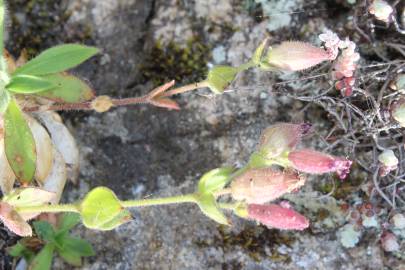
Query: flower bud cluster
(345, 65)
(262, 183)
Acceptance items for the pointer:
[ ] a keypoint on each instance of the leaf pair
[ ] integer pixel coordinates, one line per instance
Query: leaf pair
(210, 183)
(71, 249)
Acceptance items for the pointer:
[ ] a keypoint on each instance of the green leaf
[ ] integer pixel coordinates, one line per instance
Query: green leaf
(19, 143)
(71, 257)
(44, 230)
(99, 207)
(17, 250)
(30, 196)
(220, 77)
(70, 89)
(57, 59)
(20, 250)
(208, 206)
(68, 221)
(73, 249)
(78, 245)
(28, 84)
(214, 180)
(43, 260)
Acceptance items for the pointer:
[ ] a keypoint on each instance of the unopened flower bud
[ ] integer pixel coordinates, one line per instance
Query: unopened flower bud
(264, 185)
(282, 137)
(275, 216)
(398, 112)
(381, 10)
(295, 56)
(314, 162)
(389, 162)
(389, 242)
(102, 104)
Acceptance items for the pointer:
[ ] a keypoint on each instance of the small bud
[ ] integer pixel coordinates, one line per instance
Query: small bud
(381, 10)
(282, 137)
(399, 221)
(398, 112)
(275, 216)
(264, 185)
(102, 104)
(399, 83)
(295, 56)
(389, 162)
(389, 242)
(311, 161)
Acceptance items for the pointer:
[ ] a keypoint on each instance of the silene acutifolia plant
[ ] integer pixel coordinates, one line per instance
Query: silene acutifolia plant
(38, 154)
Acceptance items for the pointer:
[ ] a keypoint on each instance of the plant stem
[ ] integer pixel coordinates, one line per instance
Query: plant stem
(146, 99)
(48, 208)
(188, 198)
(185, 88)
(245, 66)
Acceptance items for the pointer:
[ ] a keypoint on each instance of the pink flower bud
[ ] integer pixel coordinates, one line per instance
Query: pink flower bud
(295, 55)
(282, 137)
(311, 161)
(275, 216)
(264, 185)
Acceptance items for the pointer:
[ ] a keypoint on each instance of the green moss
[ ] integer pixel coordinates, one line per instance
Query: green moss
(342, 189)
(184, 64)
(40, 24)
(254, 241)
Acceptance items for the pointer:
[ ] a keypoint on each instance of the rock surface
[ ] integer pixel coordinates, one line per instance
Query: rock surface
(143, 151)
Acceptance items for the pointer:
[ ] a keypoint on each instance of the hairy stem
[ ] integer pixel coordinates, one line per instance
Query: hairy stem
(188, 198)
(48, 208)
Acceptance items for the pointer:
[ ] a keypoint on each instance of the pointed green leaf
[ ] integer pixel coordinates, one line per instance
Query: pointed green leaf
(220, 77)
(30, 196)
(28, 84)
(73, 249)
(57, 59)
(43, 260)
(99, 207)
(17, 250)
(208, 206)
(44, 230)
(19, 143)
(214, 180)
(69, 89)
(71, 257)
(68, 221)
(82, 247)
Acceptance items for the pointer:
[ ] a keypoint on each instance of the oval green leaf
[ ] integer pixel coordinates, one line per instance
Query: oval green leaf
(69, 89)
(99, 207)
(19, 143)
(214, 180)
(57, 59)
(28, 84)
